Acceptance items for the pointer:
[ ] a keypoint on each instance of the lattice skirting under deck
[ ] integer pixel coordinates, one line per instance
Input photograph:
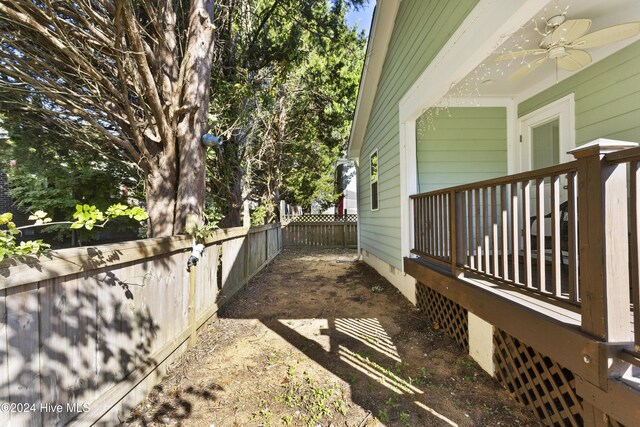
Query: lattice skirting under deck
(536, 381)
(451, 317)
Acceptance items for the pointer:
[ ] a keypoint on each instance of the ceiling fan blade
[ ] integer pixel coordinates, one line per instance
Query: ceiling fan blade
(607, 35)
(571, 30)
(574, 60)
(520, 73)
(520, 54)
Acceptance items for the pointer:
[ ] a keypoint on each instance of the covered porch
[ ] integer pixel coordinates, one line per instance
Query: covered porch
(520, 205)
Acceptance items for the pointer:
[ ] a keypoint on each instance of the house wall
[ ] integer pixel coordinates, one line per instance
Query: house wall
(607, 96)
(460, 145)
(422, 28)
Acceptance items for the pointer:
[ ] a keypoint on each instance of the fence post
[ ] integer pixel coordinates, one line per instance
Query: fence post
(603, 246)
(283, 211)
(193, 330)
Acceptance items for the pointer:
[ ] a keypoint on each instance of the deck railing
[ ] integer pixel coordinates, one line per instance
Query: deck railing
(491, 229)
(568, 234)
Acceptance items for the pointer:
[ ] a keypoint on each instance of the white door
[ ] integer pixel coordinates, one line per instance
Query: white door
(547, 134)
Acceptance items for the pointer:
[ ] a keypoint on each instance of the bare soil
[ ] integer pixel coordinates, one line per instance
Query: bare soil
(317, 339)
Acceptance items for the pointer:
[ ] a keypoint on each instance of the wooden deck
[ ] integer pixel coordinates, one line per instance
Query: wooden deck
(582, 304)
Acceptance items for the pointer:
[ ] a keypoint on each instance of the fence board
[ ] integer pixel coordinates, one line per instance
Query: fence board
(321, 234)
(4, 357)
(109, 329)
(24, 356)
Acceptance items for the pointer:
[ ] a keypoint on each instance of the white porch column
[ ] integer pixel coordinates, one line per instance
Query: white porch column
(408, 183)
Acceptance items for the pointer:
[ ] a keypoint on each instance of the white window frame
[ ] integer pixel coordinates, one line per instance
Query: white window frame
(377, 181)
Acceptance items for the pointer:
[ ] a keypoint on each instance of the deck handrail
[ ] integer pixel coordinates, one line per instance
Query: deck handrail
(507, 179)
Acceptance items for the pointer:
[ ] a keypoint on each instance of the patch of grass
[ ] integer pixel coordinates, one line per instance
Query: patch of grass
(404, 418)
(391, 402)
(467, 362)
(370, 340)
(287, 420)
(377, 289)
(400, 367)
(383, 415)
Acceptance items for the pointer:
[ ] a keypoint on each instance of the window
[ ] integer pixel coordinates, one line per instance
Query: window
(374, 180)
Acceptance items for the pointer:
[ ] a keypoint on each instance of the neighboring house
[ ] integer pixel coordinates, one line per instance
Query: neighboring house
(346, 187)
(447, 98)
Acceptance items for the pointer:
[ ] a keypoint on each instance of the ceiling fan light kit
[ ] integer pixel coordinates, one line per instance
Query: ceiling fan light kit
(564, 42)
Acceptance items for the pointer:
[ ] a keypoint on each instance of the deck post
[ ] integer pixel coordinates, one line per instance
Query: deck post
(457, 235)
(603, 246)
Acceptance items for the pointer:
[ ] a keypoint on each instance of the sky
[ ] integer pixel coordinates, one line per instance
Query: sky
(362, 18)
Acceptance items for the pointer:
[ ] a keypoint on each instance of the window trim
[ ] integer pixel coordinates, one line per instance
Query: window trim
(371, 181)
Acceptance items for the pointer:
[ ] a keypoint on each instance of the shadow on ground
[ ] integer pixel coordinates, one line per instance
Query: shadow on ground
(313, 341)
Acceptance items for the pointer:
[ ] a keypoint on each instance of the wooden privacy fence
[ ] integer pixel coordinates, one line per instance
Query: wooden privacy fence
(87, 332)
(327, 230)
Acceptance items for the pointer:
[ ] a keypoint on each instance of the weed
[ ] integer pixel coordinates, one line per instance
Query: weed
(340, 406)
(352, 378)
(400, 367)
(383, 415)
(404, 418)
(467, 362)
(391, 402)
(423, 372)
(418, 381)
(369, 339)
(376, 289)
(287, 420)
(291, 370)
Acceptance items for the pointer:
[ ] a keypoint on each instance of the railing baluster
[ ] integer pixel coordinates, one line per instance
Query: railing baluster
(447, 225)
(515, 233)
(494, 225)
(572, 255)
(432, 225)
(556, 260)
(478, 215)
(458, 238)
(486, 229)
(526, 233)
(470, 231)
(504, 219)
(634, 256)
(439, 222)
(541, 258)
(418, 220)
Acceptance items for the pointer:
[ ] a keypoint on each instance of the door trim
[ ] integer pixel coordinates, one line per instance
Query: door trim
(563, 109)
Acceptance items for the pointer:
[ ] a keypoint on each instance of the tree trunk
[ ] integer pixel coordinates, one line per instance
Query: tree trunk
(193, 123)
(161, 186)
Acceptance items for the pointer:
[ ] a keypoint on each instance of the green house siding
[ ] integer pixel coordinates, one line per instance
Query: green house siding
(461, 145)
(607, 96)
(422, 28)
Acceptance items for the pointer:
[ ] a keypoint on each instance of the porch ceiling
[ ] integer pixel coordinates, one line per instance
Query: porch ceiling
(490, 78)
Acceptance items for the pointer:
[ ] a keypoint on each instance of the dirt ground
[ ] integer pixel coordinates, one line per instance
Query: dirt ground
(316, 341)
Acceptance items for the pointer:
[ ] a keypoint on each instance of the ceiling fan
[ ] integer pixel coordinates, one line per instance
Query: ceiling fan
(564, 41)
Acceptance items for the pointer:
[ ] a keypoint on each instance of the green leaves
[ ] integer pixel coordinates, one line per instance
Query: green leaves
(40, 218)
(88, 216)
(85, 216)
